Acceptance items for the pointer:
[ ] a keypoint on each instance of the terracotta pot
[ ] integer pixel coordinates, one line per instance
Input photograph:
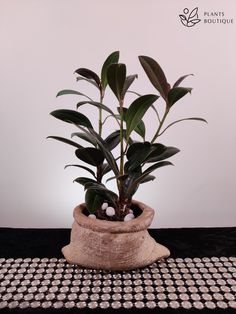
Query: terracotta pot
(113, 245)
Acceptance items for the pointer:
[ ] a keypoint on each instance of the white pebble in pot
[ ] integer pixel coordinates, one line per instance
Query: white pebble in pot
(110, 211)
(92, 216)
(104, 206)
(130, 211)
(129, 217)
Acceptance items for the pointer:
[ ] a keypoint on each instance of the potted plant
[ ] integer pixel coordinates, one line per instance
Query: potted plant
(110, 229)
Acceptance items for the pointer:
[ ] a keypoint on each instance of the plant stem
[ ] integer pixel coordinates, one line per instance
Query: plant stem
(121, 139)
(100, 113)
(99, 174)
(121, 172)
(161, 124)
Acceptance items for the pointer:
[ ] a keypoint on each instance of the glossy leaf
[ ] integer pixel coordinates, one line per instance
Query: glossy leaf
(72, 116)
(105, 149)
(89, 183)
(83, 181)
(112, 58)
(155, 75)
(87, 80)
(90, 155)
(128, 82)
(93, 200)
(186, 119)
(89, 75)
(86, 137)
(134, 148)
(144, 175)
(105, 193)
(156, 166)
(95, 104)
(65, 140)
(130, 187)
(83, 167)
(176, 84)
(111, 178)
(162, 153)
(113, 140)
(105, 168)
(157, 150)
(116, 74)
(140, 128)
(137, 154)
(147, 179)
(137, 110)
(176, 94)
(133, 92)
(71, 92)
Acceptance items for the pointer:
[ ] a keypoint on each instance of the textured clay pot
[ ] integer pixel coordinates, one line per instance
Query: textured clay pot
(113, 245)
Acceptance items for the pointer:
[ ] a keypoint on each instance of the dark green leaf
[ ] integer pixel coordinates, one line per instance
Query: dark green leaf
(65, 140)
(89, 75)
(137, 154)
(89, 183)
(116, 74)
(135, 93)
(87, 80)
(105, 168)
(112, 58)
(186, 119)
(129, 186)
(111, 178)
(157, 150)
(148, 178)
(162, 154)
(86, 137)
(105, 193)
(83, 167)
(137, 110)
(155, 75)
(156, 166)
(105, 149)
(180, 80)
(134, 148)
(93, 200)
(176, 93)
(113, 140)
(96, 104)
(139, 129)
(156, 112)
(90, 155)
(128, 81)
(72, 116)
(144, 175)
(83, 181)
(71, 92)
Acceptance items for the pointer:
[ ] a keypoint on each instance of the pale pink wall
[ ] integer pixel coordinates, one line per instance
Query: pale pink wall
(43, 42)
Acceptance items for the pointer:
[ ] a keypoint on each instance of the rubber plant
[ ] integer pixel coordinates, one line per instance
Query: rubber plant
(135, 161)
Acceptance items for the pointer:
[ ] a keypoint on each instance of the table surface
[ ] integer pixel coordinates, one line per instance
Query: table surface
(182, 242)
(187, 245)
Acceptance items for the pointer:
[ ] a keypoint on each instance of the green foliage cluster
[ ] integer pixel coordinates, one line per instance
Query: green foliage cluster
(136, 159)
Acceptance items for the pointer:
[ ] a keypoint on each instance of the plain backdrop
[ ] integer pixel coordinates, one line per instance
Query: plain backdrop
(44, 42)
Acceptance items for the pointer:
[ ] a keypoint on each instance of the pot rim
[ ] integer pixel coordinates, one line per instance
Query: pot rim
(142, 222)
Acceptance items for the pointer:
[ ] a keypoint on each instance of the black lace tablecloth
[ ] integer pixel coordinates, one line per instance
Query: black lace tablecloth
(200, 275)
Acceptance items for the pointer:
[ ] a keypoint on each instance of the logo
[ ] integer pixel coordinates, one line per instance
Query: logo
(189, 19)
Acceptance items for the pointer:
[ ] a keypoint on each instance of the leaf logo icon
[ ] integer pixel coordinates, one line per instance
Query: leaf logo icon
(189, 19)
